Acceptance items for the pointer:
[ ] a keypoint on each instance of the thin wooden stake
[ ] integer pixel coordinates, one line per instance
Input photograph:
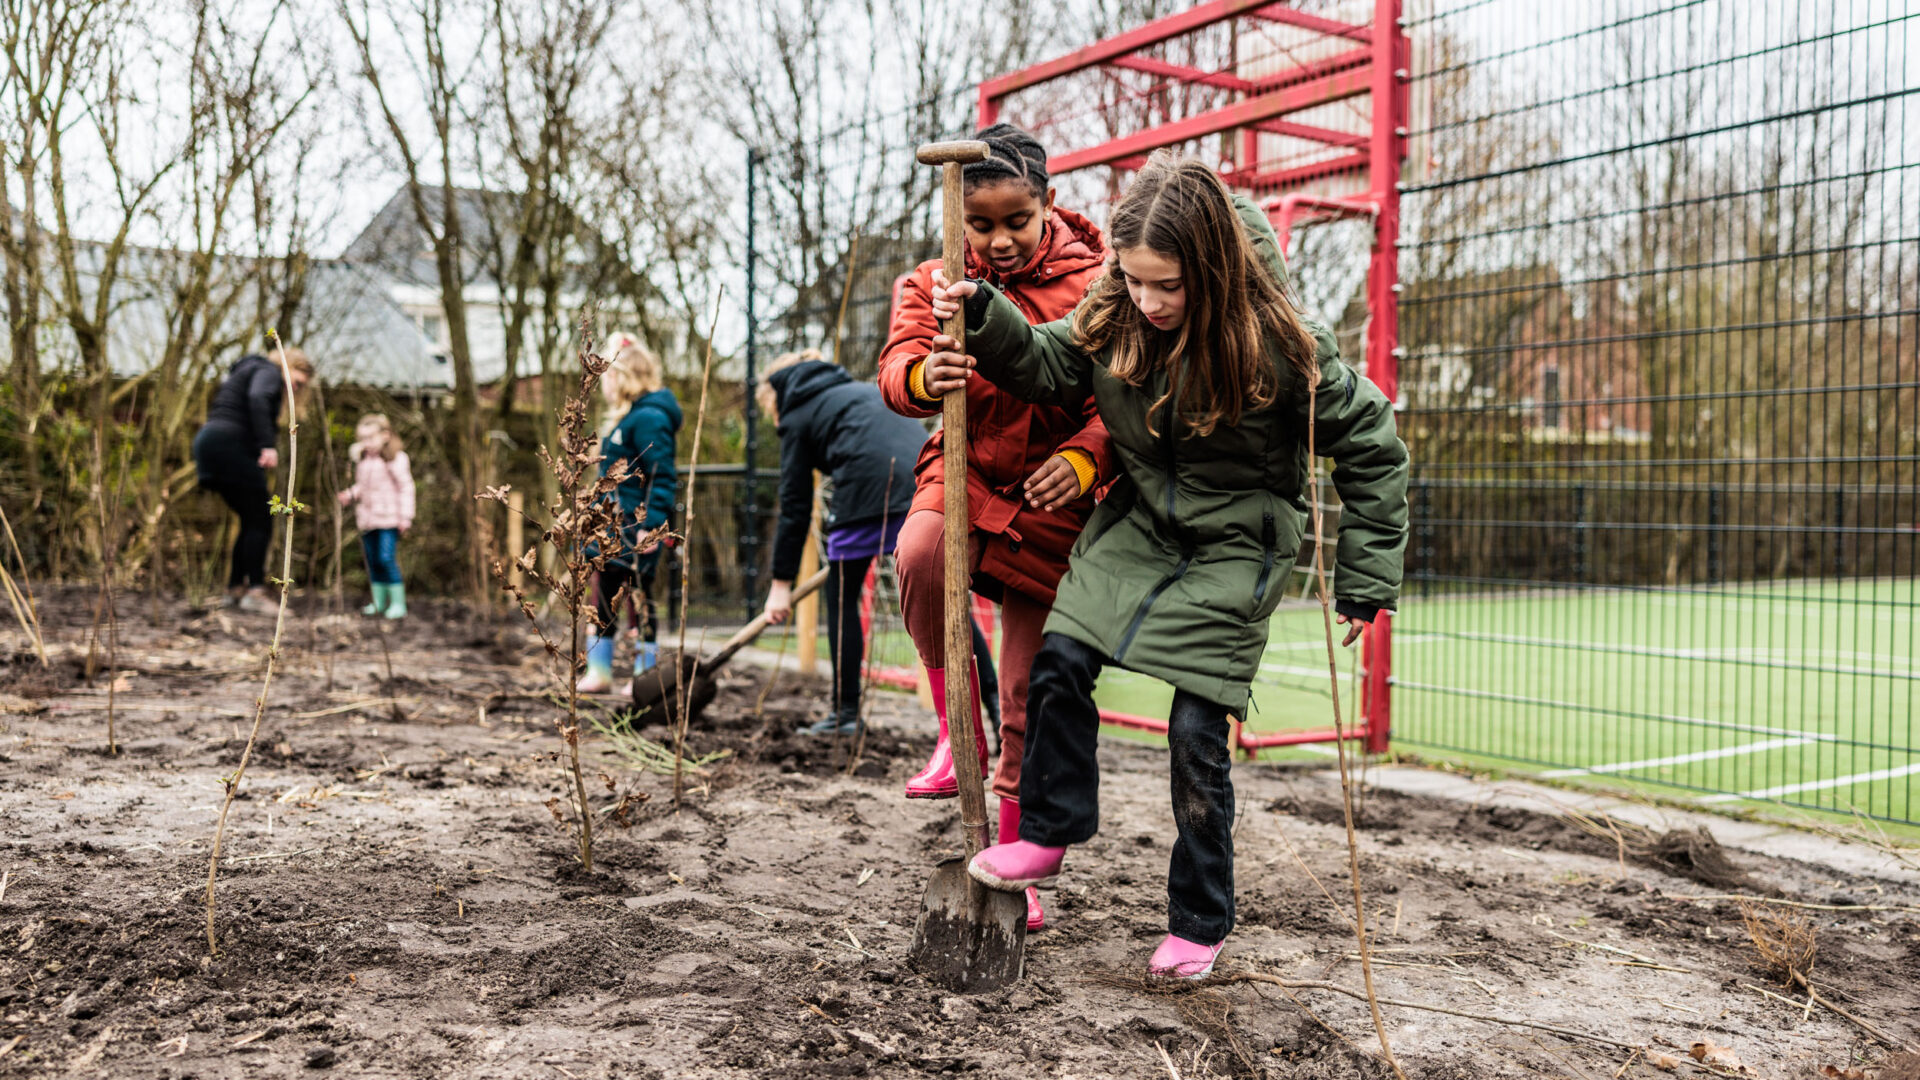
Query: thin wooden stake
(686, 560)
(1339, 730)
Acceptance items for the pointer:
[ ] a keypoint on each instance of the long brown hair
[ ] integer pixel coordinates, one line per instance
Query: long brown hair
(1217, 360)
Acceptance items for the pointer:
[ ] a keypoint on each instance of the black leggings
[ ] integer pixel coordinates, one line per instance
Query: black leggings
(639, 588)
(1060, 783)
(256, 530)
(845, 579)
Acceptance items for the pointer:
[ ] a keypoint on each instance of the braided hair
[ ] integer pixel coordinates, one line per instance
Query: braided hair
(1012, 154)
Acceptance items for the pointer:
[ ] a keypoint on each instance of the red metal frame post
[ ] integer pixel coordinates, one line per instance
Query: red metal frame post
(1388, 149)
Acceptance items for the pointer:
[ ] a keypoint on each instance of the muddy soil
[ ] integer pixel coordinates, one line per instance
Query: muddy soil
(397, 899)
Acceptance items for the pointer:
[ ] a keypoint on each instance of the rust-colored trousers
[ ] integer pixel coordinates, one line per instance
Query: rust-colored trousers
(919, 563)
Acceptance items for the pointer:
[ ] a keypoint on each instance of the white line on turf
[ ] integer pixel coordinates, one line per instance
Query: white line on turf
(1680, 759)
(1817, 785)
(1289, 669)
(1574, 706)
(1320, 644)
(1784, 657)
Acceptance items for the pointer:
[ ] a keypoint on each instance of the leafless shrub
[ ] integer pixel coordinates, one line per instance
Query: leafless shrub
(583, 525)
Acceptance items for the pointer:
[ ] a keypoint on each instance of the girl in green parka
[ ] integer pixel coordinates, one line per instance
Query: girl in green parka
(1200, 367)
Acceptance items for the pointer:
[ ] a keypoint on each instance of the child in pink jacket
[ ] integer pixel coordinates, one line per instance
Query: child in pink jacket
(382, 498)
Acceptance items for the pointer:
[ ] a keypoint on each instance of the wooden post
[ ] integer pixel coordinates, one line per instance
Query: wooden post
(516, 535)
(806, 613)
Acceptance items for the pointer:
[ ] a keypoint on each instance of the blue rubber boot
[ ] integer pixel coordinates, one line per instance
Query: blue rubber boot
(599, 676)
(379, 605)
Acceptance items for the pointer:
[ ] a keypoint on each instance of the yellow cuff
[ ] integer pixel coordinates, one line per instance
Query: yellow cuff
(917, 383)
(1082, 463)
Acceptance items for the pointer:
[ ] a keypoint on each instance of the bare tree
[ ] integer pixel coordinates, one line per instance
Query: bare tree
(245, 85)
(41, 38)
(545, 56)
(445, 85)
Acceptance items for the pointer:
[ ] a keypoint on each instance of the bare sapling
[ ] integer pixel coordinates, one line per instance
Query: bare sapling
(283, 508)
(107, 606)
(584, 527)
(686, 559)
(388, 687)
(1339, 731)
(20, 594)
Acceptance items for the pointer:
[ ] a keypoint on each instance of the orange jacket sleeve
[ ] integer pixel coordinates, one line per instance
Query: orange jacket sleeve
(909, 340)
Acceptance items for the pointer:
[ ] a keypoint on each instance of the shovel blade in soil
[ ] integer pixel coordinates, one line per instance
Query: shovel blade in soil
(969, 938)
(657, 694)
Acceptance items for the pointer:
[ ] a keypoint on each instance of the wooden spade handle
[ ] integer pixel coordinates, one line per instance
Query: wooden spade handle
(754, 629)
(953, 431)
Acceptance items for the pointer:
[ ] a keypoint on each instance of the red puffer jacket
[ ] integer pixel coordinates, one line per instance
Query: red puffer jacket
(1007, 439)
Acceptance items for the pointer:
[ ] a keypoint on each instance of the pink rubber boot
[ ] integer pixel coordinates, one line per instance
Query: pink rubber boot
(937, 781)
(1010, 832)
(1017, 866)
(1178, 958)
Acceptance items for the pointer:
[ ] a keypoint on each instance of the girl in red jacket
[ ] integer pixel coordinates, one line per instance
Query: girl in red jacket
(1030, 468)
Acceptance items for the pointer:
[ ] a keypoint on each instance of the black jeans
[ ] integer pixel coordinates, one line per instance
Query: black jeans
(1060, 783)
(251, 502)
(607, 586)
(228, 465)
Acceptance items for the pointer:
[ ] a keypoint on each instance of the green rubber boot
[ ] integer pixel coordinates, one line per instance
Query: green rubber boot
(396, 601)
(379, 600)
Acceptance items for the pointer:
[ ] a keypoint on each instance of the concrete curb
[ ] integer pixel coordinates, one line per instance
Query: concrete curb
(1761, 838)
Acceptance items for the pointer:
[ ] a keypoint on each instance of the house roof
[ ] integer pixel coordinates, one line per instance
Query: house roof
(349, 323)
(393, 240)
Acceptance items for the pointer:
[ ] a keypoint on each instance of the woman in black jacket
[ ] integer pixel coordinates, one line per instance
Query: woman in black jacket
(832, 424)
(232, 453)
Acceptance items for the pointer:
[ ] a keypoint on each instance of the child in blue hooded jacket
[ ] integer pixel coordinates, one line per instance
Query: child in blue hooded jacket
(643, 418)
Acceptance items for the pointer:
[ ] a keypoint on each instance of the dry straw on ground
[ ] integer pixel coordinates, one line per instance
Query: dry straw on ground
(1785, 943)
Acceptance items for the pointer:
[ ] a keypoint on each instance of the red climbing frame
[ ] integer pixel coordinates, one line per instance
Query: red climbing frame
(1265, 98)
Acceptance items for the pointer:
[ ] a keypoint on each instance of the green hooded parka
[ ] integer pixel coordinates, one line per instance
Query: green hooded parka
(1180, 568)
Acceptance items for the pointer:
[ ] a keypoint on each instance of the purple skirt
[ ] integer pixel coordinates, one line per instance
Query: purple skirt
(863, 541)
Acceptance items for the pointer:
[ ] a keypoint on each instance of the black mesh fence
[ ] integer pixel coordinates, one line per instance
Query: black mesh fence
(1661, 355)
